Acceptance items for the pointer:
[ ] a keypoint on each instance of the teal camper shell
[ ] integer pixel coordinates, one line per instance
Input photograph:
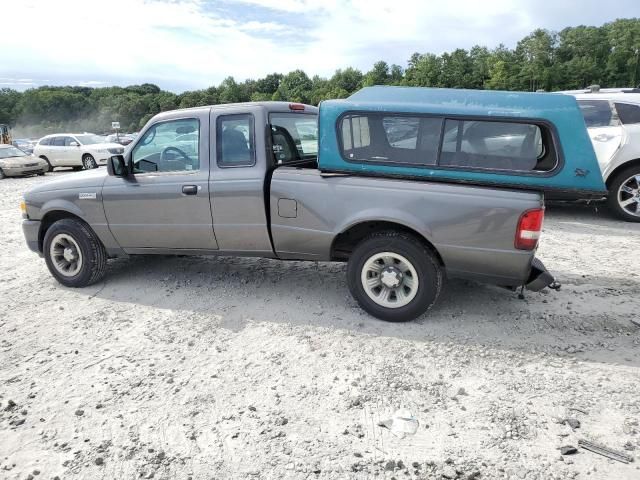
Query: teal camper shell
(534, 141)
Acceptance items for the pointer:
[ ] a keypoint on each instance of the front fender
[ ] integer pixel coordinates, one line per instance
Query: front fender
(57, 205)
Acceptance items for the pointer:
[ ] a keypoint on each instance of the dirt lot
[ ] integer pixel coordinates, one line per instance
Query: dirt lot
(216, 368)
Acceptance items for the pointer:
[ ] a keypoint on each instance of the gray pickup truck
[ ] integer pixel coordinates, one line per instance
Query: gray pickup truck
(244, 180)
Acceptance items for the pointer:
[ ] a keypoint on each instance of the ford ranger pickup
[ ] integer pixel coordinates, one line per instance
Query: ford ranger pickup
(407, 191)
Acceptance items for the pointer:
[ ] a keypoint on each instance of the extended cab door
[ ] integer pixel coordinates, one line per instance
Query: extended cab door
(237, 180)
(164, 204)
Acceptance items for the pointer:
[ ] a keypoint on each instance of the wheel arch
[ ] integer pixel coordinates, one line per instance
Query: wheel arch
(623, 166)
(53, 216)
(344, 243)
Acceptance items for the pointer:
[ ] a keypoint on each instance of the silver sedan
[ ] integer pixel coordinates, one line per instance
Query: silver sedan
(14, 162)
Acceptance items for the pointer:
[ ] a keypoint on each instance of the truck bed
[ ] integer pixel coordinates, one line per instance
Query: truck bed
(471, 228)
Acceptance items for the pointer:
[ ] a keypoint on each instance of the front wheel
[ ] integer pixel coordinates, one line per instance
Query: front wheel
(394, 276)
(624, 194)
(73, 253)
(49, 167)
(88, 162)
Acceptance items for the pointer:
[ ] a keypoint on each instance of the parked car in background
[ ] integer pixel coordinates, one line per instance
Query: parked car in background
(84, 150)
(15, 162)
(612, 117)
(121, 138)
(24, 144)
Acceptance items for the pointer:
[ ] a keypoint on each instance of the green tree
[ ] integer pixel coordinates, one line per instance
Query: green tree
(9, 102)
(378, 75)
(295, 87)
(623, 65)
(535, 52)
(348, 80)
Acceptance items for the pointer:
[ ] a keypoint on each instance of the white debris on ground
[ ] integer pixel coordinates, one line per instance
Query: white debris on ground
(202, 368)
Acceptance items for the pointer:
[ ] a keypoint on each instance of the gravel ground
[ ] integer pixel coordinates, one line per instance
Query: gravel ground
(216, 368)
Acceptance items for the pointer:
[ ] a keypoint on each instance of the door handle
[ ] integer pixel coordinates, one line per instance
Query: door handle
(189, 189)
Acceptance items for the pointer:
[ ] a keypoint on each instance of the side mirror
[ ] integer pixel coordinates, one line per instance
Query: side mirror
(74, 144)
(117, 167)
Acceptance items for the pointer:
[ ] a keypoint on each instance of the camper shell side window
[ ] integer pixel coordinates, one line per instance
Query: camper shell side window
(519, 146)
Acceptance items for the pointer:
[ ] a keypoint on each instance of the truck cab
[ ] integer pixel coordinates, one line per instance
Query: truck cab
(191, 167)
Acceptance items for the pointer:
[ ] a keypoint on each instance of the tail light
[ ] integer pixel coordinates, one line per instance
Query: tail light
(296, 106)
(529, 228)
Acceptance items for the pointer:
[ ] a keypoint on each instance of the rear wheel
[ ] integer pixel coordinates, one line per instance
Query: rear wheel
(394, 276)
(624, 194)
(88, 162)
(73, 253)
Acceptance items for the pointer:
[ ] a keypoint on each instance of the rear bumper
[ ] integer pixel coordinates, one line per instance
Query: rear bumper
(31, 230)
(540, 278)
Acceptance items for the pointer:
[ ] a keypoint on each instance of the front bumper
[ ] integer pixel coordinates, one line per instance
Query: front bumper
(23, 170)
(540, 278)
(31, 230)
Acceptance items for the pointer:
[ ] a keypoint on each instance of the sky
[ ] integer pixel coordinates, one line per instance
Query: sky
(193, 44)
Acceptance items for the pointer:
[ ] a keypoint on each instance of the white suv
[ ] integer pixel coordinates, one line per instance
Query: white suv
(613, 122)
(82, 150)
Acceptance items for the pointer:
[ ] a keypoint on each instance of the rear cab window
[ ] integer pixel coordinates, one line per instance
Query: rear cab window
(235, 140)
(294, 137)
(511, 146)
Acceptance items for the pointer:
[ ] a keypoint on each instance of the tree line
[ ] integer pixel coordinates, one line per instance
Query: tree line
(573, 58)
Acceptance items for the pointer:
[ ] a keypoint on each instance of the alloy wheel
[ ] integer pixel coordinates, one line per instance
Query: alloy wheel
(629, 195)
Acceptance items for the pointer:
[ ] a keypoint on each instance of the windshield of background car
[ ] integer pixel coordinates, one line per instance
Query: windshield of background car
(10, 152)
(90, 139)
(294, 136)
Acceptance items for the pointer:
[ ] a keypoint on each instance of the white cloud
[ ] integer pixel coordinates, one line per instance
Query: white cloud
(195, 43)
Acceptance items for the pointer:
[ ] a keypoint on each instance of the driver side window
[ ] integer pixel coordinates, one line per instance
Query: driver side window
(171, 146)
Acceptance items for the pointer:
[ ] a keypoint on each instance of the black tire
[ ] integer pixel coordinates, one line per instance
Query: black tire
(77, 169)
(50, 168)
(94, 256)
(614, 190)
(88, 162)
(2, 175)
(429, 272)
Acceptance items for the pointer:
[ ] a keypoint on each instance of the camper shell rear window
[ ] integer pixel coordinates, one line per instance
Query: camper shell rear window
(521, 146)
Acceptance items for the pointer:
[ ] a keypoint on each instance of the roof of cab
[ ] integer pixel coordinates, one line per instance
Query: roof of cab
(269, 105)
(452, 101)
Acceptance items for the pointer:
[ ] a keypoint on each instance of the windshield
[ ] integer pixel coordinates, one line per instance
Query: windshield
(294, 136)
(9, 152)
(90, 139)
